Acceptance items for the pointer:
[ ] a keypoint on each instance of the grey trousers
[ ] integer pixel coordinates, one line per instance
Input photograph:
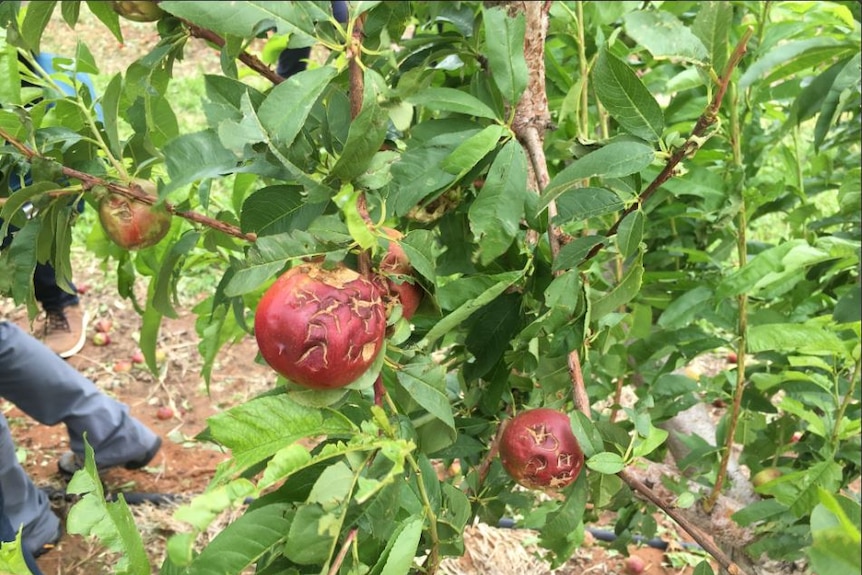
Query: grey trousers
(49, 390)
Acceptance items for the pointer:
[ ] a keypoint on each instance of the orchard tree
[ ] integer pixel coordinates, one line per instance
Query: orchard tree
(453, 215)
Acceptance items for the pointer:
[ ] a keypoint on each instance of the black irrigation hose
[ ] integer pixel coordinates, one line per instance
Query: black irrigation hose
(139, 498)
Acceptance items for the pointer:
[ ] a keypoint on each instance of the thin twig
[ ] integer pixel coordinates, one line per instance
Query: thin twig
(705, 542)
(691, 145)
(532, 141)
(342, 553)
(249, 60)
(131, 191)
(579, 389)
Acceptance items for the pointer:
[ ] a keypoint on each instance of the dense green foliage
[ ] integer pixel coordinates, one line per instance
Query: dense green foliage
(752, 247)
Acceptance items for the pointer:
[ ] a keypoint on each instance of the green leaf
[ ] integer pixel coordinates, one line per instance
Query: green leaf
(367, 131)
(800, 490)
(426, 384)
(259, 428)
(452, 100)
(10, 81)
(562, 531)
(790, 57)
(151, 321)
(107, 16)
(804, 338)
(703, 568)
(573, 253)
(712, 25)
(252, 17)
(769, 267)
(654, 440)
(111, 522)
(496, 213)
(278, 209)
(111, 111)
(400, 558)
(622, 293)
(580, 204)
(502, 283)
(606, 462)
(616, 159)
(504, 47)
(630, 233)
(626, 98)
(472, 150)
(36, 19)
(312, 534)
(831, 109)
(296, 94)
(685, 308)
(243, 541)
(12, 557)
(162, 292)
(664, 36)
(196, 156)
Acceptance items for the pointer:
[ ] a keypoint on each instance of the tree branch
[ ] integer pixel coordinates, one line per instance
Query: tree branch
(249, 60)
(131, 191)
(691, 145)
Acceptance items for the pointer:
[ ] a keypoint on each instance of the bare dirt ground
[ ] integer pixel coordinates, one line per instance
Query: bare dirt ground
(183, 467)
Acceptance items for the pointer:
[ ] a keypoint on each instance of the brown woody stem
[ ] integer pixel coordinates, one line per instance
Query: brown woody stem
(249, 60)
(691, 145)
(132, 191)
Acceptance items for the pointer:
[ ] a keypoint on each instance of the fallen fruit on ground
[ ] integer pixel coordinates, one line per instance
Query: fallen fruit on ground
(132, 224)
(138, 356)
(103, 325)
(539, 451)
(101, 338)
(138, 10)
(321, 328)
(122, 366)
(164, 412)
(634, 565)
(398, 273)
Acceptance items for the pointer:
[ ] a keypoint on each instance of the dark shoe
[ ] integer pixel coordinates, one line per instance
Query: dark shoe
(71, 462)
(65, 330)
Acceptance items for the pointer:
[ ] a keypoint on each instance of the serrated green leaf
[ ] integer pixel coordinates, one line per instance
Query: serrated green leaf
(614, 160)
(426, 384)
(630, 233)
(294, 18)
(196, 156)
(580, 204)
(257, 429)
(574, 252)
(606, 462)
(10, 81)
(472, 150)
(496, 213)
(166, 278)
(685, 308)
(367, 131)
(626, 98)
(504, 47)
(712, 25)
(789, 57)
(297, 94)
(107, 16)
(397, 558)
(785, 337)
(452, 100)
(502, 283)
(622, 293)
(36, 19)
(665, 36)
(278, 209)
(243, 541)
(111, 522)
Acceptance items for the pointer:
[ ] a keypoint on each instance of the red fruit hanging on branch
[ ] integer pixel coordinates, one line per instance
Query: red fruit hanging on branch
(400, 283)
(539, 451)
(321, 328)
(132, 224)
(138, 10)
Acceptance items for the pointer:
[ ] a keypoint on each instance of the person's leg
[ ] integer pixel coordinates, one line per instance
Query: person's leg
(51, 391)
(24, 503)
(48, 293)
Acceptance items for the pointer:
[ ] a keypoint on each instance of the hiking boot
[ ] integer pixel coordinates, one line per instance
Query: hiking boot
(65, 330)
(71, 462)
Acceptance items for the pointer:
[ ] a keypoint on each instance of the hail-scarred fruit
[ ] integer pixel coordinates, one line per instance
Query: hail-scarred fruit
(398, 272)
(138, 10)
(539, 450)
(131, 224)
(321, 328)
